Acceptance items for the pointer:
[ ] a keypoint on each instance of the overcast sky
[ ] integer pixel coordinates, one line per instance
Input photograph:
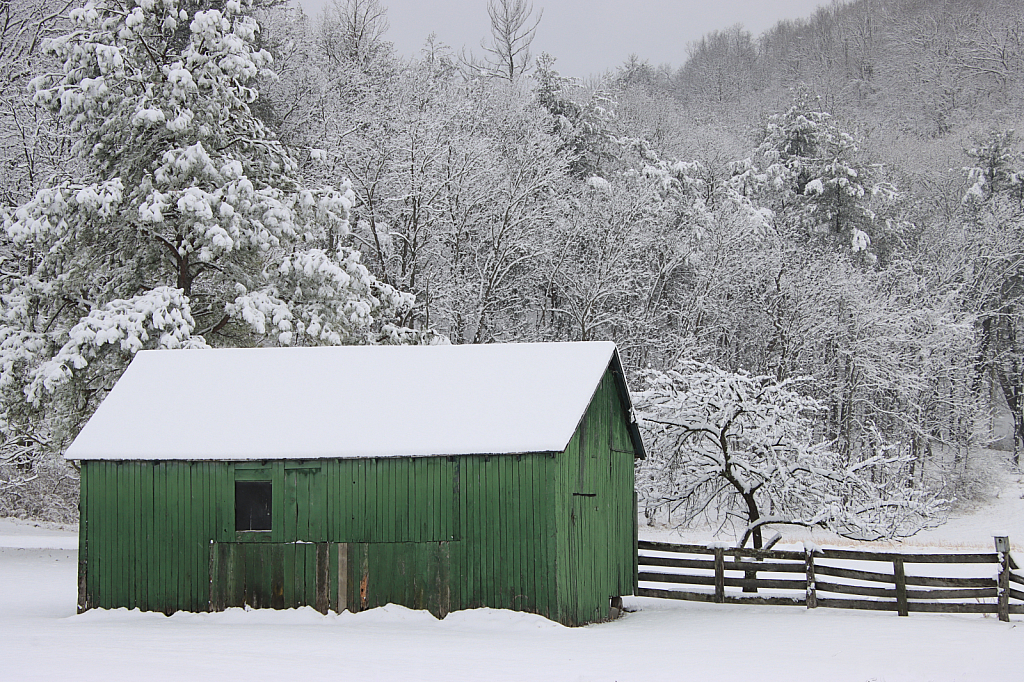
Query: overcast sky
(586, 36)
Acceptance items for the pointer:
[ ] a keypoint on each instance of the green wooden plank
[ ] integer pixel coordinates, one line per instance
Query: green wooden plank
(215, 582)
(83, 537)
(365, 503)
(467, 546)
(266, 561)
(395, 488)
(378, 501)
(203, 535)
(206, 525)
(349, 491)
(523, 491)
(163, 541)
(508, 541)
(523, 481)
(122, 529)
(337, 498)
(302, 510)
(119, 545)
(197, 538)
(180, 549)
(309, 550)
(188, 544)
(389, 492)
(543, 513)
(248, 573)
(318, 506)
(123, 591)
(119, 595)
(474, 551)
(524, 541)
(332, 576)
(135, 545)
(431, 486)
(483, 533)
(109, 536)
(471, 493)
(158, 539)
(501, 551)
(330, 500)
(172, 500)
(104, 536)
(301, 572)
(169, 546)
(418, 514)
(94, 577)
(385, 498)
(375, 517)
(290, 507)
(92, 541)
(357, 514)
(231, 569)
(201, 481)
(260, 582)
(444, 484)
(145, 530)
(456, 574)
(110, 545)
(314, 506)
(407, 507)
(146, 533)
(189, 540)
(541, 509)
(568, 479)
(355, 482)
(278, 531)
(497, 574)
(141, 534)
(224, 496)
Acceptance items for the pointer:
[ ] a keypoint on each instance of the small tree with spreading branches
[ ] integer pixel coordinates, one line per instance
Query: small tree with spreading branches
(747, 443)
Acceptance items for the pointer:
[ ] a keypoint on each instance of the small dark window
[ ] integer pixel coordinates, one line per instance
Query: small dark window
(252, 505)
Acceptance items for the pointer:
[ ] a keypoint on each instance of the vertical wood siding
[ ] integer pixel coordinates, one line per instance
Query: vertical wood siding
(552, 534)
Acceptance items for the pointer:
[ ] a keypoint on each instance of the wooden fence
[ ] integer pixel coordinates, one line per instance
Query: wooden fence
(834, 578)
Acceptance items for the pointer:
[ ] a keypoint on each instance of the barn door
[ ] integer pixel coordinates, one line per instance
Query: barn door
(273, 575)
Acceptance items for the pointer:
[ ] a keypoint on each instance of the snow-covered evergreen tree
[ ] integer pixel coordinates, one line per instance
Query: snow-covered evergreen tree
(815, 180)
(189, 227)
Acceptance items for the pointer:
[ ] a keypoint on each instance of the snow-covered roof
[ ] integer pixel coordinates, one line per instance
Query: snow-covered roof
(353, 401)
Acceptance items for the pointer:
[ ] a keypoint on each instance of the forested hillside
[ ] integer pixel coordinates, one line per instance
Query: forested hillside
(840, 199)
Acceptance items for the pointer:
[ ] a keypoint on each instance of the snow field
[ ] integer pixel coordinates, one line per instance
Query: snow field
(41, 638)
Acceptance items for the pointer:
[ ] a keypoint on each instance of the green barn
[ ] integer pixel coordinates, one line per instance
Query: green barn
(439, 478)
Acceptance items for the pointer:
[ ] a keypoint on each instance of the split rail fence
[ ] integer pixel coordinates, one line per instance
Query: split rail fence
(834, 578)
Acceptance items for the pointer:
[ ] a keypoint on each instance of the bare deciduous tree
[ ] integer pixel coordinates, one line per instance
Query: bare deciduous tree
(353, 30)
(512, 32)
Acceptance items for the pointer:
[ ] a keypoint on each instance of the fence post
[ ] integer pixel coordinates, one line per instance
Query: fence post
(812, 586)
(901, 586)
(719, 575)
(1003, 582)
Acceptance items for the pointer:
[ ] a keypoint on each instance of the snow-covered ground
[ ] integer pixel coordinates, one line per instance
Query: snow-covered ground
(41, 638)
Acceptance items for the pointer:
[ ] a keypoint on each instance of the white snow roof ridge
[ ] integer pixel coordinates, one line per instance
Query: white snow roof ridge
(351, 401)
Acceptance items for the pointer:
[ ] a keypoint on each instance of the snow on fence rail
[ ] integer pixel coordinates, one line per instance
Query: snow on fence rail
(956, 582)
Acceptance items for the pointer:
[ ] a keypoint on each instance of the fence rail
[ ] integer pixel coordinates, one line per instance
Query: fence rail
(856, 579)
